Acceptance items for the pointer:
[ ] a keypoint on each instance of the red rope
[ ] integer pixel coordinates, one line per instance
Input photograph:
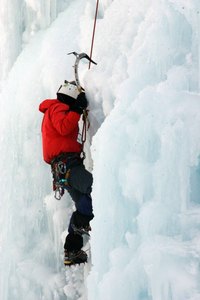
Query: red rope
(93, 34)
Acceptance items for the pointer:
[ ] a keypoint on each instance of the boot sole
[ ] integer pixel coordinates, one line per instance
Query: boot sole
(71, 263)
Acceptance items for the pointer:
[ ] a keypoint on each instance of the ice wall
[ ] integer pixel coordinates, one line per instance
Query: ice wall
(20, 20)
(146, 153)
(32, 221)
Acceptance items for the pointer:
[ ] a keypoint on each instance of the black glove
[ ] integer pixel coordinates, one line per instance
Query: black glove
(79, 104)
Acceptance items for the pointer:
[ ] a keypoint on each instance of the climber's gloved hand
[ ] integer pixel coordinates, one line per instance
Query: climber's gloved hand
(79, 104)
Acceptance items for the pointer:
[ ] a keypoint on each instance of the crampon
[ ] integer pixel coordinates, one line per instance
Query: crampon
(74, 257)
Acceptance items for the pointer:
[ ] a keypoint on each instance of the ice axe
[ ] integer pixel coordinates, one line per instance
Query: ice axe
(78, 58)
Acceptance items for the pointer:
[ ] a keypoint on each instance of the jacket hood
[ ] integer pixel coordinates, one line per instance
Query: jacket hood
(44, 105)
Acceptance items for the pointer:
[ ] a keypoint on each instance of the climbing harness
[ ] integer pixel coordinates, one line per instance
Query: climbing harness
(93, 33)
(61, 168)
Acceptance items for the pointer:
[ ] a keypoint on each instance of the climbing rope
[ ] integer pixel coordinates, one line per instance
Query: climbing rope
(93, 34)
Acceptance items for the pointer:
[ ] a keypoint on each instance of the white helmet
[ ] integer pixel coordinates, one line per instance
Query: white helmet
(70, 89)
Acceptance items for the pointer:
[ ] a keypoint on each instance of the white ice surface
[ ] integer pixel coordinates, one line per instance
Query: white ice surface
(144, 154)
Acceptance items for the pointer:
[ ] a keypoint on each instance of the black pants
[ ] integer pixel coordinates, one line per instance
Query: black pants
(80, 187)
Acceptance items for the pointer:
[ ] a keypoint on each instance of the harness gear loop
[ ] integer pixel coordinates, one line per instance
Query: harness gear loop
(61, 168)
(93, 34)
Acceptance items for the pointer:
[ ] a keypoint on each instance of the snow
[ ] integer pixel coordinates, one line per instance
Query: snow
(143, 149)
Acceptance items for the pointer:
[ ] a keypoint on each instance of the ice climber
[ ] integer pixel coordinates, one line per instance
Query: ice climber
(62, 150)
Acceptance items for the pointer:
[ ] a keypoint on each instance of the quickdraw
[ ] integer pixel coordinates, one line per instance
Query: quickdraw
(86, 125)
(60, 178)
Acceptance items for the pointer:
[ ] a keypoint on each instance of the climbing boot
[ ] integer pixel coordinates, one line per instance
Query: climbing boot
(74, 257)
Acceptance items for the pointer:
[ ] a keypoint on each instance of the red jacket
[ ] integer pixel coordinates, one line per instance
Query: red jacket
(59, 129)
